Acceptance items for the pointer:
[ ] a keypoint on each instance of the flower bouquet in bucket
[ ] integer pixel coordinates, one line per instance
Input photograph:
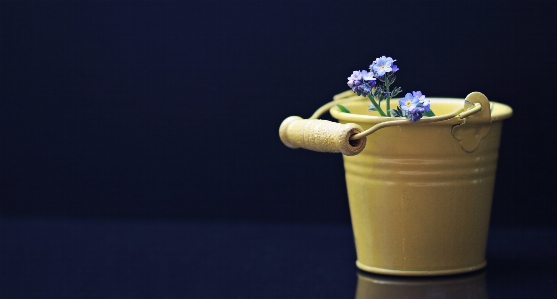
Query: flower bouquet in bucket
(376, 85)
(420, 183)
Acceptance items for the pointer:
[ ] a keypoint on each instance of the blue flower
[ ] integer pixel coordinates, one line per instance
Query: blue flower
(414, 105)
(382, 65)
(408, 103)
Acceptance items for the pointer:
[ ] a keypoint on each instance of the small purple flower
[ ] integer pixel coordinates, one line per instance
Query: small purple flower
(382, 65)
(424, 103)
(361, 82)
(368, 76)
(418, 94)
(415, 115)
(394, 67)
(355, 79)
(362, 89)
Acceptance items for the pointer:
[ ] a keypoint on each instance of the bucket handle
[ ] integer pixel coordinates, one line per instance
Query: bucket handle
(326, 136)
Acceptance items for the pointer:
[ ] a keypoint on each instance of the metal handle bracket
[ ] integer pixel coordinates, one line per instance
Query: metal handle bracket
(476, 126)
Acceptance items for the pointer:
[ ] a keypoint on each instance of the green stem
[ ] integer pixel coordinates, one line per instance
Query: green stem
(388, 86)
(389, 105)
(372, 99)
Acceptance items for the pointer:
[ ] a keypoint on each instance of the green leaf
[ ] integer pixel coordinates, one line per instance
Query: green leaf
(343, 109)
(429, 113)
(396, 91)
(397, 112)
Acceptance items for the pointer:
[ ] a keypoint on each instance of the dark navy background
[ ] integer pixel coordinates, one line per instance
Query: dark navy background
(125, 109)
(127, 125)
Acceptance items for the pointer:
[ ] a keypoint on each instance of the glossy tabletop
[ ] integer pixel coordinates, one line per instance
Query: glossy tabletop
(107, 258)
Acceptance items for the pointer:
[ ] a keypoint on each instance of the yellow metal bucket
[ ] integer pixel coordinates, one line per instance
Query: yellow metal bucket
(420, 194)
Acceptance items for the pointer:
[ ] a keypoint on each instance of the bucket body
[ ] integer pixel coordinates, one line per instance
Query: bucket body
(419, 203)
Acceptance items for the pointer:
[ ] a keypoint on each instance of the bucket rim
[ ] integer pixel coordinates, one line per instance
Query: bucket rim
(500, 111)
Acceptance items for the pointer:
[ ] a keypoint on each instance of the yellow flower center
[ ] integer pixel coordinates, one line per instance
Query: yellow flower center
(408, 103)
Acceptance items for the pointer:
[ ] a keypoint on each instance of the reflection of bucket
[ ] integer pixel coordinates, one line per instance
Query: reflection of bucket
(454, 287)
(419, 202)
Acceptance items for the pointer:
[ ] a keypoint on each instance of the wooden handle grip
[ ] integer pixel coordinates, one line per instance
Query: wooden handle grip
(321, 135)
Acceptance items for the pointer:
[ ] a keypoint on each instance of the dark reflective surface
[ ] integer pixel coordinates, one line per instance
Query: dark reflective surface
(62, 258)
(472, 285)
